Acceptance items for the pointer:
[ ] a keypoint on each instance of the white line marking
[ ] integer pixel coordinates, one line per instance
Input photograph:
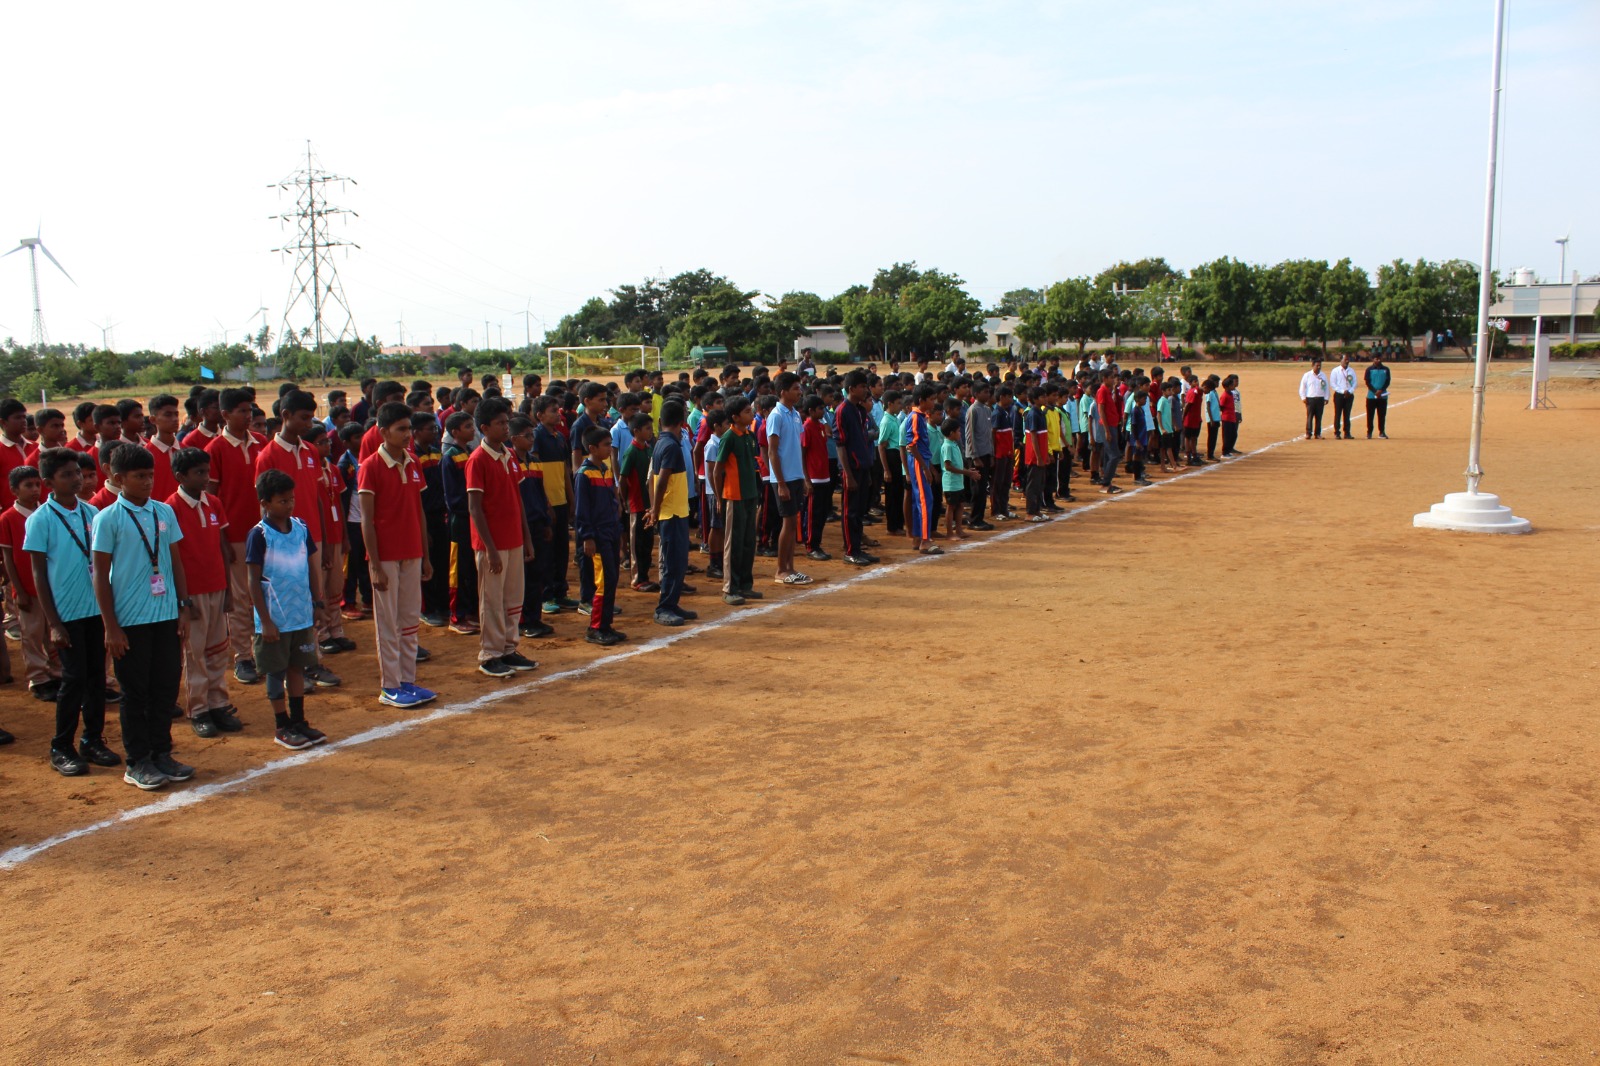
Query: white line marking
(16, 856)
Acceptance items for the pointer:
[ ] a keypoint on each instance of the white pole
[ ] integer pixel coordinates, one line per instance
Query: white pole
(1538, 332)
(1480, 374)
(1472, 511)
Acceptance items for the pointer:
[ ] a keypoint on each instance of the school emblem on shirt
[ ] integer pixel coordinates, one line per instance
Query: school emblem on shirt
(161, 525)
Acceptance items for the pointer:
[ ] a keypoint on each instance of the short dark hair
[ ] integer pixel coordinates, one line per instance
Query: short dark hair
(103, 412)
(456, 421)
(595, 435)
(164, 400)
(787, 380)
(351, 431)
(84, 412)
(19, 474)
(491, 409)
(672, 414)
(640, 421)
(126, 458)
(46, 414)
(422, 420)
(390, 413)
(297, 401)
(735, 405)
(187, 459)
(232, 398)
(273, 483)
(125, 407)
(53, 460)
(385, 389)
(11, 406)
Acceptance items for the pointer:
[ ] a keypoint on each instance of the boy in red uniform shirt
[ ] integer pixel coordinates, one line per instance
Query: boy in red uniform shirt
(163, 419)
(392, 528)
(501, 541)
(52, 426)
(233, 453)
(206, 555)
(330, 620)
(38, 653)
(814, 458)
(13, 449)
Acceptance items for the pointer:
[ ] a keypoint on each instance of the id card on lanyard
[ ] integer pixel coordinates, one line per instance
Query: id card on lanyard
(158, 583)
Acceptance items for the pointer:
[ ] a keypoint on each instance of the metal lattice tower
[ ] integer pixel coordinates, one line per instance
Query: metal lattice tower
(315, 290)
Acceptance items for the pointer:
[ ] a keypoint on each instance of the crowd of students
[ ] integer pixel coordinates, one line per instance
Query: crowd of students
(169, 545)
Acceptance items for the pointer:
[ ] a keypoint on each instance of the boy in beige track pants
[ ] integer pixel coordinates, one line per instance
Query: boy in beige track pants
(396, 537)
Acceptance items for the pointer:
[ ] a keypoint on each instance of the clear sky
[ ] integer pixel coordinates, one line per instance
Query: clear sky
(515, 152)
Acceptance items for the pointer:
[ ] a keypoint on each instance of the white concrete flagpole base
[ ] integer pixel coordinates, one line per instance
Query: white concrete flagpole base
(1472, 512)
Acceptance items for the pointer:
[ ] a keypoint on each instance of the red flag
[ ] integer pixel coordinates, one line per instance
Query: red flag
(1166, 353)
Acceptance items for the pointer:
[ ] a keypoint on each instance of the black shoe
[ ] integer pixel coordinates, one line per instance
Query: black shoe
(733, 599)
(244, 672)
(290, 737)
(767, 553)
(435, 621)
(45, 693)
(858, 560)
(330, 647)
(68, 763)
(113, 695)
(604, 637)
(519, 662)
(819, 555)
(309, 731)
(667, 618)
(495, 668)
(714, 573)
(752, 594)
(144, 776)
(684, 613)
(5, 738)
(171, 767)
(423, 654)
(584, 608)
(980, 526)
(226, 719)
(322, 677)
(204, 726)
(95, 751)
(346, 644)
(177, 713)
(535, 630)
(567, 603)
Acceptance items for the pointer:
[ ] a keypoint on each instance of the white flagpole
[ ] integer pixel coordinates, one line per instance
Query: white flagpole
(1472, 511)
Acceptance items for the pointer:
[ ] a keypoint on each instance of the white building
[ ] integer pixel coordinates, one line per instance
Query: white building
(998, 333)
(1567, 309)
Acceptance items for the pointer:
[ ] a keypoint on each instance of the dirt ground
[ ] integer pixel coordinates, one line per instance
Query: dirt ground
(1241, 768)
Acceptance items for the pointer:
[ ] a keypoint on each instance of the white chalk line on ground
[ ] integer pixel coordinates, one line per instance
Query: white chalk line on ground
(16, 856)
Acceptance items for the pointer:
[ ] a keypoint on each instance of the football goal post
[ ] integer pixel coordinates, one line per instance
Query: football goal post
(644, 353)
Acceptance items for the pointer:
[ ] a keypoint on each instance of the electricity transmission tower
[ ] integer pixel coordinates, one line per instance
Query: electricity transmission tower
(315, 292)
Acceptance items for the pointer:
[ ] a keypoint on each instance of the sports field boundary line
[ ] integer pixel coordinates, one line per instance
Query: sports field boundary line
(174, 801)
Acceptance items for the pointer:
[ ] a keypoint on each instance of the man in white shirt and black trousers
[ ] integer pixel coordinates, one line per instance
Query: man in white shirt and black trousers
(1314, 390)
(1344, 397)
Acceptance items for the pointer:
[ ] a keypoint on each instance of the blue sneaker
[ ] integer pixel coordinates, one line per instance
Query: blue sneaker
(422, 695)
(398, 697)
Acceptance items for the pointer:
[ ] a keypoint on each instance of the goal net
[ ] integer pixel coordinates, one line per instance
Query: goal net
(625, 355)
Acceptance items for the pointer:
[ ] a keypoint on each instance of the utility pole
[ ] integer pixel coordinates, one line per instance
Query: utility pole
(486, 341)
(316, 280)
(1561, 275)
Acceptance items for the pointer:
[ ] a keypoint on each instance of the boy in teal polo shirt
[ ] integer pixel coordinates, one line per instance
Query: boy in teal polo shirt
(144, 606)
(57, 537)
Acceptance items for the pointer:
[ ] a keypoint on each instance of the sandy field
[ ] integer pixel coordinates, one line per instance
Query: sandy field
(1238, 769)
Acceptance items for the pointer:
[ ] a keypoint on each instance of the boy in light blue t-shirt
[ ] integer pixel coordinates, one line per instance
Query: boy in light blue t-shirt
(281, 558)
(954, 475)
(140, 585)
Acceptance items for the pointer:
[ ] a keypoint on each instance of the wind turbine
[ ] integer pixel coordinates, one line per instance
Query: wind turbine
(261, 313)
(105, 331)
(35, 245)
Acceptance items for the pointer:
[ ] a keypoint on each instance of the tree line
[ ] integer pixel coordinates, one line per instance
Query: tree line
(906, 309)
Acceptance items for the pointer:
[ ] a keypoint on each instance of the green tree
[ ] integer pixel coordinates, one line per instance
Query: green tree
(936, 311)
(1014, 301)
(870, 321)
(722, 315)
(1075, 310)
(593, 323)
(1152, 311)
(1140, 275)
(786, 318)
(1347, 302)
(1221, 302)
(1408, 297)
(1457, 307)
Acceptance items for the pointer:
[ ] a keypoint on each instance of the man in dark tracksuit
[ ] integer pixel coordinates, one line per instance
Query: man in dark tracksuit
(1378, 378)
(597, 525)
